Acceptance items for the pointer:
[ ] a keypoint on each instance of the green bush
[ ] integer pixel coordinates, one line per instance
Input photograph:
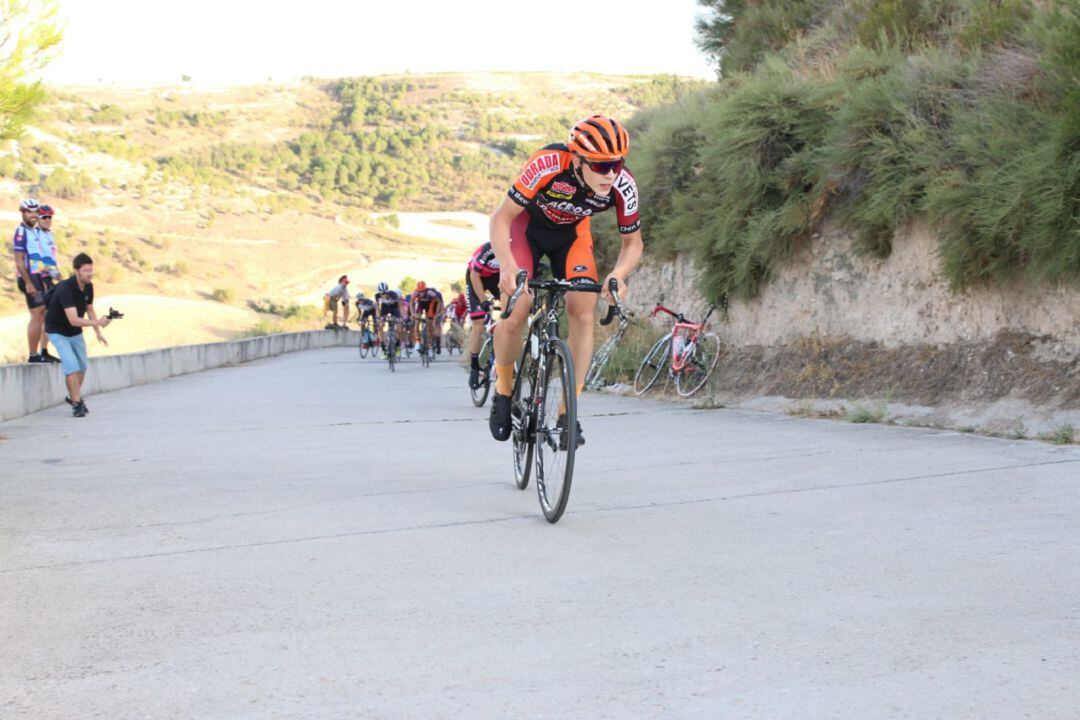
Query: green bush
(45, 154)
(993, 22)
(66, 184)
(224, 295)
(752, 196)
(107, 115)
(8, 166)
(27, 172)
(739, 33)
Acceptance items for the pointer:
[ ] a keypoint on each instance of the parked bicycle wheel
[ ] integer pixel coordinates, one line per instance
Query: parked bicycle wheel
(556, 430)
(523, 423)
(700, 363)
(594, 377)
(652, 365)
(480, 393)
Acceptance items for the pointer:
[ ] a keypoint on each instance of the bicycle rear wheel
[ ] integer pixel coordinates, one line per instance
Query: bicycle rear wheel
(699, 365)
(523, 422)
(480, 394)
(556, 430)
(652, 365)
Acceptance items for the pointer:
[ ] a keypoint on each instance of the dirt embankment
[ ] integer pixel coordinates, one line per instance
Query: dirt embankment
(833, 327)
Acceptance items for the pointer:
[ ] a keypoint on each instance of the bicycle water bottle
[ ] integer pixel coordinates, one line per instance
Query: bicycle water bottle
(677, 345)
(534, 346)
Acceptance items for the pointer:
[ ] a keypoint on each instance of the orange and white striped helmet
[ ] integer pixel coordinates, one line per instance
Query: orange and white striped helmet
(599, 138)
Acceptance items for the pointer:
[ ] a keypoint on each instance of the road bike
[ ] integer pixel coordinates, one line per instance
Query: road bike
(543, 406)
(687, 351)
(391, 345)
(367, 338)
(427, 353)
(486, 359)
(594, 378)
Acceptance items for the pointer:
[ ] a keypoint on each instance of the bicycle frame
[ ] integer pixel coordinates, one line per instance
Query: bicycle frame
(693, 331)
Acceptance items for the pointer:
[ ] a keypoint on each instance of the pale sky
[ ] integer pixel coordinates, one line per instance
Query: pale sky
(237, 41)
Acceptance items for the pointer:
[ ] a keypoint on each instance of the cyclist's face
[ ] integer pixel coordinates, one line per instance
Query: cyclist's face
(597, 182)
(29, 217)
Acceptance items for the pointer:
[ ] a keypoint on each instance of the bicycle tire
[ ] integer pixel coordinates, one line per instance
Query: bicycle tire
(480, 394)
(391, 350)
(702, 359)
(555, 447)
(363, 346)
(523, 418)
(652, 365)
(599, 361)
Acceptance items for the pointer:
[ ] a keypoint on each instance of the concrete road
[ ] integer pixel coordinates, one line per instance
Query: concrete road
(310, 536)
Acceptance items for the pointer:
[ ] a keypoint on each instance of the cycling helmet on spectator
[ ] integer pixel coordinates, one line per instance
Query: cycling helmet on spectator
(599, 138)
(45, 211)
(29, 205)
(382, 287)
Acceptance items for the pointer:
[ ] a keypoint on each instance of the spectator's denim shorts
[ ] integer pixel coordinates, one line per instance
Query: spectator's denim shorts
(72, 352)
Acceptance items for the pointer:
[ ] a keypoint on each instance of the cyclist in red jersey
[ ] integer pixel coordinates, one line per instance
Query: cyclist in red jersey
(547, 213)
(481, 278)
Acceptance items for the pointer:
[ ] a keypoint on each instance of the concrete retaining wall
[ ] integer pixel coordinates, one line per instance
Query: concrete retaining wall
(28, 388)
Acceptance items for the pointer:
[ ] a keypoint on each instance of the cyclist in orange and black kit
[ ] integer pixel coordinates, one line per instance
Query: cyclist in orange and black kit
(427, 304)
(547, 213)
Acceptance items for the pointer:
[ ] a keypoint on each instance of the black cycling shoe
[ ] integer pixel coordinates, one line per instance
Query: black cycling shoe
(560, 425)
(474, 378)
(499, 420)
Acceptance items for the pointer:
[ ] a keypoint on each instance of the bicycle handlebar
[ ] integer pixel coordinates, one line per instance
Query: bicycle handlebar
(614, 308)
(564, 285)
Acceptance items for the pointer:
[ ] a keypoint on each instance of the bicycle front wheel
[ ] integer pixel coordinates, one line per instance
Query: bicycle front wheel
(556, 429)
(700, 363)
(652, 365)
(363, 344)
(480, 394)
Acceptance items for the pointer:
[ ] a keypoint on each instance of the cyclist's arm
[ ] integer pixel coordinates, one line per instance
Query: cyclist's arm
(20, 267)
(500, 242)
(629, 257)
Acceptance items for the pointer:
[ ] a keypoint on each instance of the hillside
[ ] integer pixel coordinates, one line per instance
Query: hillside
(263, 195)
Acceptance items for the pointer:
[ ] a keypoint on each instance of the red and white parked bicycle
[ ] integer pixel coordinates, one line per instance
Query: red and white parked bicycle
(688, 352)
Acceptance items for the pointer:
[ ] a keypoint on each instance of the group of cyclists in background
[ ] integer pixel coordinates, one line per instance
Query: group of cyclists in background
(422, 315)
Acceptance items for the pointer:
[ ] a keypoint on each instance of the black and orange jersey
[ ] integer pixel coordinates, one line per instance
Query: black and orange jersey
(556, 200)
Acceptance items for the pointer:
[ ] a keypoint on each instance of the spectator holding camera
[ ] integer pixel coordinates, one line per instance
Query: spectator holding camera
(35, 263)
(71, 308)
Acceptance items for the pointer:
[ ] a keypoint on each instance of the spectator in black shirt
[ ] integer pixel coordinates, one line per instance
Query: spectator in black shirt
(71, 308)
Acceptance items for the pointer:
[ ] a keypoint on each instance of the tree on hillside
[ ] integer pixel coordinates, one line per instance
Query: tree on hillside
(29, 36)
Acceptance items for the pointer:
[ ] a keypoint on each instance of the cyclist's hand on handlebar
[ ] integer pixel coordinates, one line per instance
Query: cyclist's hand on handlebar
(508, 279)
(606, 293)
